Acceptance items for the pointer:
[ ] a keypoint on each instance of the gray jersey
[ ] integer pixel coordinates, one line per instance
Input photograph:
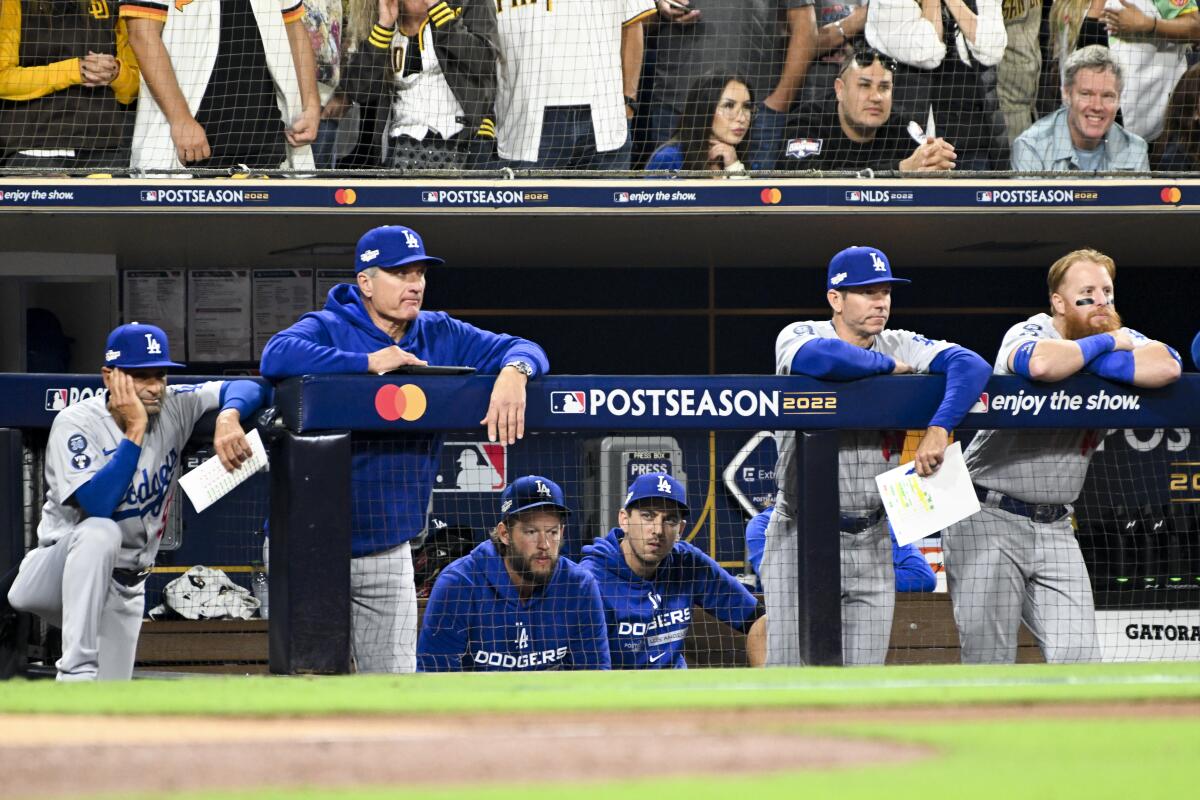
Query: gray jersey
(84, 438)
(1036, 466)
(862, 454)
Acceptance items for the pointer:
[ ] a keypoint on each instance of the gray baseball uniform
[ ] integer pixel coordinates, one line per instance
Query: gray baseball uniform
(1004, 567)
(868, 581)
(68, 580)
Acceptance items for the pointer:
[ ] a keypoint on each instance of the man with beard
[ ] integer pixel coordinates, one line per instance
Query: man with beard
(111, 464)
(1017, 559)
(650, 580)
(513, 603)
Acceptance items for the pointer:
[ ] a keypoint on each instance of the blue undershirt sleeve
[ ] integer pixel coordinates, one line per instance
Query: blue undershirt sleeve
(756, 538)
(245, 396)
(1117, 365)
(966, 375)
(840, 361)
(100, 495)
(913, 573)
(1021, 358)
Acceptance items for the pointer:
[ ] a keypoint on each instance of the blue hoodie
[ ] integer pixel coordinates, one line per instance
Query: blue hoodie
(392, 476)
(648, 620)
(476, 619)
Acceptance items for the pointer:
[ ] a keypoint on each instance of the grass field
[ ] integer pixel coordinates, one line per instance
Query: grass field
(1104, 748)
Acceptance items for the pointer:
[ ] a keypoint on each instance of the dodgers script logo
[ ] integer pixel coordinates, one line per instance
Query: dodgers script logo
(147, 492)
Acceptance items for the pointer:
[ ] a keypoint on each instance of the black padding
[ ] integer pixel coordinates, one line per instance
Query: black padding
(818, 554)
(310, 554)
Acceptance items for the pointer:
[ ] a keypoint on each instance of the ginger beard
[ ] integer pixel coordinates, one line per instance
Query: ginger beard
(1096, 319)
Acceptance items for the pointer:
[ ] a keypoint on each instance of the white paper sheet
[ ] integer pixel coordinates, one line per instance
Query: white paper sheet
(209, 482)
(918, 507)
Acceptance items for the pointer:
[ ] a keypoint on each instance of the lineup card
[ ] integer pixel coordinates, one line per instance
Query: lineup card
(918, 507)
(209, 482)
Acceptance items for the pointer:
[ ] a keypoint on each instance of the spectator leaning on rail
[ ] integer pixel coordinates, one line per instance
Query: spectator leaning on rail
(857, 130)
(226, 82)
(513, 603)
(1017, 560)
(67, 79)
(1083, 134)
(856, 343)
(374, 326)
(947, 51)
(650, 581)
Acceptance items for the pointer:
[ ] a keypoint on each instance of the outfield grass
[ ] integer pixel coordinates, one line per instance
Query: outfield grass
(1040, 757)
(587, 691)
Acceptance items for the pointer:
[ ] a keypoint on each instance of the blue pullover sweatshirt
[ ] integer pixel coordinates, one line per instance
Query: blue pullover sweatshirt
(476, 619)
(648, 620)
(392, 476)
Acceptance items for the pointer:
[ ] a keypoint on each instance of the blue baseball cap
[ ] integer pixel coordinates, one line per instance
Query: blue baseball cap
(860, 266)
(530, 492)
(1196, 351)
(137, 346)
(659, 484)
(391, 246)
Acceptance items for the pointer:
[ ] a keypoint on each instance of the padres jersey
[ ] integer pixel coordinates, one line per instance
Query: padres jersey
(862, 454)
(1042, 466)
(560, 53)
(648, 619)
(84, 437)
(477, 620)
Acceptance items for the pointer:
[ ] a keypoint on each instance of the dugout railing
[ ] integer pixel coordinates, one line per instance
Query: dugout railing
(1137, 520)
(322, 415)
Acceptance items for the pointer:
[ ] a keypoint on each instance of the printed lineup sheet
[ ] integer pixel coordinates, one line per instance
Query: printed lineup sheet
(209, 482)
(918, 507)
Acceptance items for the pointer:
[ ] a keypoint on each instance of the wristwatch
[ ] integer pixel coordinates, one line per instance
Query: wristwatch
(523, 367)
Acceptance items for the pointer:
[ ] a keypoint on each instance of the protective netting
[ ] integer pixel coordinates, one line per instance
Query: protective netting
(212, 86)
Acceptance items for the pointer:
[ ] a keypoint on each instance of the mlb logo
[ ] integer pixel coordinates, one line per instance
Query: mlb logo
(981, 405)
(983, 197)
(429, 197)
(472, 467)
(620, 197)
(56, 399)
(568, 403)
(150, 196)
(854, 197)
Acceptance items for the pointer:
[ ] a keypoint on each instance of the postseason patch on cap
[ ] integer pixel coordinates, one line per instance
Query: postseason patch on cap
(803, 148)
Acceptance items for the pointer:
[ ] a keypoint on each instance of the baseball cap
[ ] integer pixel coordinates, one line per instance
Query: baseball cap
(391, 246)
(860, 266)
(530, 492)
(659, 484)
(137, 346)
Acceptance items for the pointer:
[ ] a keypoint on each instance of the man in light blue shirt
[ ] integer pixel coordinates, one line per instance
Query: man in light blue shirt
(1083, 135)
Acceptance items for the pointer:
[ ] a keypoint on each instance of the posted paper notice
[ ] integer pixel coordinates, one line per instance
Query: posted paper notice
(918, 507)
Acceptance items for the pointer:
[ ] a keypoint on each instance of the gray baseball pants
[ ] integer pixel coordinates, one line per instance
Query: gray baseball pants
(70, 586)
(1004, 569)
(868, 593)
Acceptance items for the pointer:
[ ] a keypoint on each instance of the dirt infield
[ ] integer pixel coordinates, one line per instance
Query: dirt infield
(56, 756)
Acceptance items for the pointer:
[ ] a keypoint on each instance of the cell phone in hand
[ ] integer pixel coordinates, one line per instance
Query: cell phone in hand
(678, 5)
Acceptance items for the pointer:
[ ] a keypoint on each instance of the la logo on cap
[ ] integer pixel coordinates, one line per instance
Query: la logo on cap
(543, 489)
(663, 486)
(153, 348)
(411, 240)
(878, 262)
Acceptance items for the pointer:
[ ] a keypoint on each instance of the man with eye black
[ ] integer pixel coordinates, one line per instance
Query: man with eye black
(1017, 560)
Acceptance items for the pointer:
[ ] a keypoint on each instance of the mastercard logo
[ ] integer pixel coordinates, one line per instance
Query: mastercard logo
(345, 197)
(405, 402)
(771, 196)
(1171, 194)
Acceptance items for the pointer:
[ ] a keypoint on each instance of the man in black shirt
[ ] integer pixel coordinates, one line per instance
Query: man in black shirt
(858, 131)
